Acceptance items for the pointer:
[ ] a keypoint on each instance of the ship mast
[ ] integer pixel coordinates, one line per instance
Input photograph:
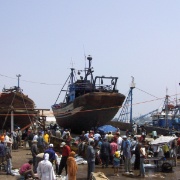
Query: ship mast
(88, 71)
(18, 76)
(126, 112)
(166, 107)
(131, 94)
(72, 75)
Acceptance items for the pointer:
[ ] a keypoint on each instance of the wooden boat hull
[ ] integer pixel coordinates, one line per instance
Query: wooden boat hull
(21, 106)
(89, 111)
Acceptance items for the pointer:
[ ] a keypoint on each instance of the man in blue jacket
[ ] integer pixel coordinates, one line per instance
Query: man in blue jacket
(90, 159)
(105, 152)
(126, 148)
(51, 153)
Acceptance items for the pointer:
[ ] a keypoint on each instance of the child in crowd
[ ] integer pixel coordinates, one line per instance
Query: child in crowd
(116, 162)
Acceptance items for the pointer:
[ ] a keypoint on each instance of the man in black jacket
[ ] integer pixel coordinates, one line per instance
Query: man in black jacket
(30, 138)
(34, 151)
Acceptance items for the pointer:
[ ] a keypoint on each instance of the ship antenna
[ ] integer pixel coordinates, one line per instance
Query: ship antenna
(84, 59)
(166, 91)
(18, 80)
(176, 96)
(72, 63)
(84, 56)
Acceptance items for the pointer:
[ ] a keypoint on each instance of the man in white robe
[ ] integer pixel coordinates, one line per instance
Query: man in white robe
(45, 169)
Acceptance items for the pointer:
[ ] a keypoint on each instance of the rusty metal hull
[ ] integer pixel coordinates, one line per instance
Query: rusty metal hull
(89, 111)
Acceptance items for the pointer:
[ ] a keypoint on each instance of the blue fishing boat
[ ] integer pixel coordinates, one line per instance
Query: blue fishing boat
(168, 116)
(88, 102)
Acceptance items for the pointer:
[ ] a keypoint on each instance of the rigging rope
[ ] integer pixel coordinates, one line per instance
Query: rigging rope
(62, 89)
(25, 107)
(146, 92)
(8, 111)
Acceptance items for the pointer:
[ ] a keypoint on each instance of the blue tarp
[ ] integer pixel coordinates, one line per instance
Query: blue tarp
(106, 129)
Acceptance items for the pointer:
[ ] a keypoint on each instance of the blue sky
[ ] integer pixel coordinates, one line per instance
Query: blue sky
(40, 40)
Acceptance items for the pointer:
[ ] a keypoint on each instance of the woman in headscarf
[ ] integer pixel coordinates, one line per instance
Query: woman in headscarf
(71, 166)
(45, 169)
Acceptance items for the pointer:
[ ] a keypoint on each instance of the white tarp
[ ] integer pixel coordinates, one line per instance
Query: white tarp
(80, 160)
(163, 140)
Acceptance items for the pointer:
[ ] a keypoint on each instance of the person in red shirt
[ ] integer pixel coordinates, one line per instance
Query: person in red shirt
(114, 148)
(116, 136)
(26, 169)
(65, 153)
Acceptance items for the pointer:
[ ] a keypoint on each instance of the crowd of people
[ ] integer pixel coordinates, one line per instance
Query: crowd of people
(5, 152)
(112, 149)
(41, 148)
(106, 149)
(129, 150)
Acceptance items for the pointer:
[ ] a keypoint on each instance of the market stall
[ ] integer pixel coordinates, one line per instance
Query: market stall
(164, 153)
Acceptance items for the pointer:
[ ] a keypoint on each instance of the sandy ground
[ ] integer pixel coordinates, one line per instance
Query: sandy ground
(23, 155)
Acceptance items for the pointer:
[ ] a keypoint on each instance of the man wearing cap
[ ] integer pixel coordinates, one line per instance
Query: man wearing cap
(51, 153)
(34, 151)
(65, 153)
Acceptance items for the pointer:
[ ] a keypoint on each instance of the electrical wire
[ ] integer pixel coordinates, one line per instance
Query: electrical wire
(42, 83)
